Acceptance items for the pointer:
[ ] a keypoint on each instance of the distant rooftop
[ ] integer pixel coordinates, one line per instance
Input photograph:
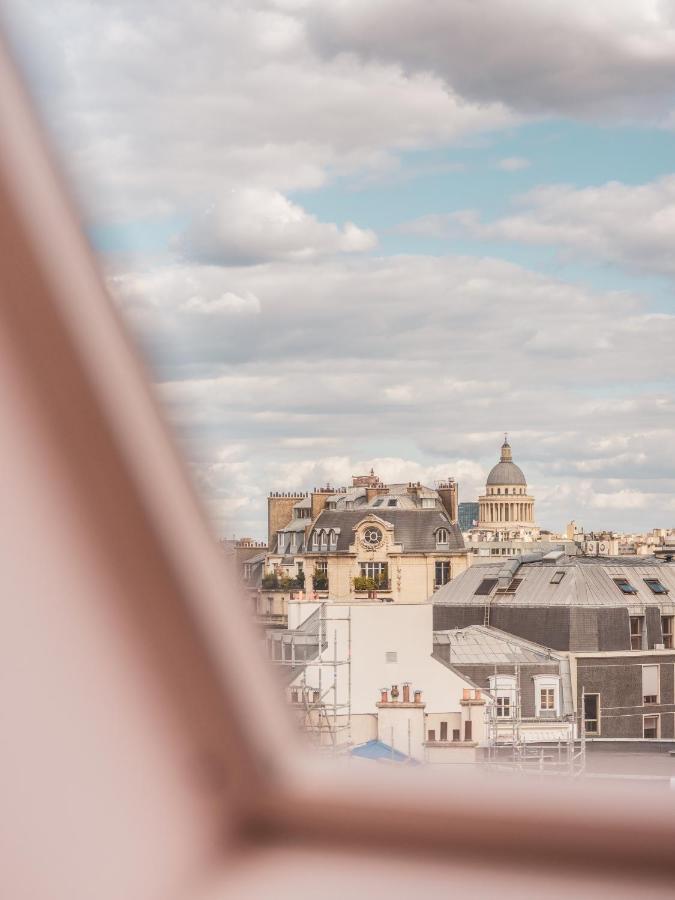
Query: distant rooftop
(560, 580)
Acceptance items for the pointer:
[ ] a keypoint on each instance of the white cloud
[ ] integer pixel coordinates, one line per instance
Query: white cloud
(357, 375)
(631, 225)
(226, 304)
(251, 225)
(609, 59)
(513, 164)
(623, 499)
(286, 355)
(177, 104)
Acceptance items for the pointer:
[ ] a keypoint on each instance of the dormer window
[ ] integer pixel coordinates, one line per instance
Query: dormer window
(332, 539)
(280, 542)
(324, 540)
(547, 696)
(442, 536)
(315, 540)
(504, 689)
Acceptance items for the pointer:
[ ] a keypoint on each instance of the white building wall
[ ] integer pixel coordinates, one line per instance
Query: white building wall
(378, 629)
(402, 727)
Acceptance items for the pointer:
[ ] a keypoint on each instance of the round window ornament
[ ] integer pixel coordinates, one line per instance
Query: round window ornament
(372, 537)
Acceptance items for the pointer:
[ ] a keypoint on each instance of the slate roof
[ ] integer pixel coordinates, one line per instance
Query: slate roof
(255, 560)
(414, 528)
(587, 581)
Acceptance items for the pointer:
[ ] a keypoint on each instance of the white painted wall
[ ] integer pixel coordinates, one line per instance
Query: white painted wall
(376, 628)
(402, 727)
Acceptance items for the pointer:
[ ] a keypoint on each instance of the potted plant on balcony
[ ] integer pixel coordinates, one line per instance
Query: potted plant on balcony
(364, 583)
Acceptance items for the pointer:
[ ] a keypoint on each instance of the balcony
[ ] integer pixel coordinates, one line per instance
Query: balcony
(273, 582)
(364, 586)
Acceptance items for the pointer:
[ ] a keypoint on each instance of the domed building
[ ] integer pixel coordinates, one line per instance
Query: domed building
(506, 510)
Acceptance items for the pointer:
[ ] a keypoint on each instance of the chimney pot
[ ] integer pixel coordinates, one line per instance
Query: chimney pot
(466, 693)
(477, 695)
(394, 692)
(418, 696)
(406, 693)
(383, 695)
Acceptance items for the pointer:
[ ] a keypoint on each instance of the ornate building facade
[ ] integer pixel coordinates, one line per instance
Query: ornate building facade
(389, 542)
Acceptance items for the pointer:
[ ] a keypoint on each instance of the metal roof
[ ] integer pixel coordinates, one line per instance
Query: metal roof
(477, 644)
(585, 582)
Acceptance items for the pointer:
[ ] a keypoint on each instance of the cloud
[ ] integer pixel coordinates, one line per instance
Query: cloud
(285, 351)
(178, 104)
(226, 304)
(630, 225)
(609, 60)
(513, 164)
(251, 225)
(357, 375)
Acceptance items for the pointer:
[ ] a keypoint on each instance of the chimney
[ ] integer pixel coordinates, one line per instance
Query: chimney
(372, 492)
(279, 514)
(320, 498)
(406, 693)
(447, 491)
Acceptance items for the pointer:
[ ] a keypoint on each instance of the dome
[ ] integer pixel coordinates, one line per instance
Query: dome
(506, 471)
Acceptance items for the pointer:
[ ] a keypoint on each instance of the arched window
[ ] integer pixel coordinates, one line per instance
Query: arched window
(442, 536)
(315, 540)
(324, 539)
(332, 539)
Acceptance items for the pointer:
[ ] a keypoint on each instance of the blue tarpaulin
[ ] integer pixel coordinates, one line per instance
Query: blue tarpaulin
(380, 750)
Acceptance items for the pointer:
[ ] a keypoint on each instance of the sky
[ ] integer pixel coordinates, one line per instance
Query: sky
(355, 233)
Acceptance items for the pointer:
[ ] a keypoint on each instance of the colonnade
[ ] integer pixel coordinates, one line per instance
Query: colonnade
(506, 511)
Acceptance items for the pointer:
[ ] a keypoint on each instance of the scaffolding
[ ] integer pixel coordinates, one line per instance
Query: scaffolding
(511, 744)
(322, 700)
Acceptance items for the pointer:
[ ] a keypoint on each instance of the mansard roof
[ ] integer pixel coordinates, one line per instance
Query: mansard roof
(414, 528)
(585, 582)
